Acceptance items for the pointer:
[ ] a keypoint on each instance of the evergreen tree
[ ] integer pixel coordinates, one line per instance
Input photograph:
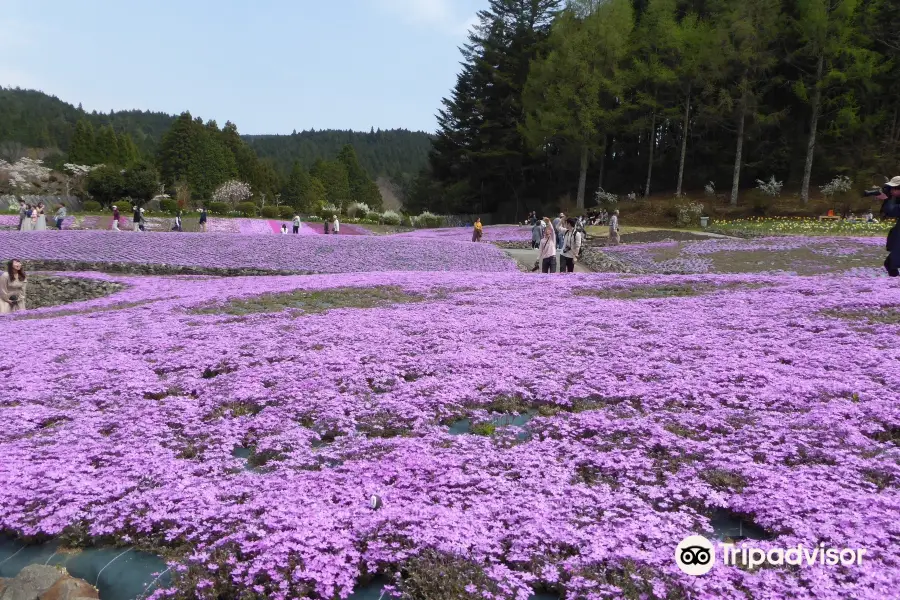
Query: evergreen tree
(128, 152)
(108, 146)
(83, 150)
(141, 182)
(572, 94)
(315, 196)
(362, 188)
(176, 150)
(296, 188)
(333, 175)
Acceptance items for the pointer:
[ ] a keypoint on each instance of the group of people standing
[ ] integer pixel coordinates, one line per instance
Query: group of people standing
(559, 244)
(33, 217)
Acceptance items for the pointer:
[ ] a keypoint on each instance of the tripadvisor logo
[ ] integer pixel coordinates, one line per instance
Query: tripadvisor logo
(696, 555)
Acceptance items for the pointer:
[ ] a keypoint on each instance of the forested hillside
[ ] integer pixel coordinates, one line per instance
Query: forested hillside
(32, 119)
(392, 153)
(557, 99)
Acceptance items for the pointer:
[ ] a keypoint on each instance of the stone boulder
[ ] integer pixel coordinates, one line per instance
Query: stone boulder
(43, 582)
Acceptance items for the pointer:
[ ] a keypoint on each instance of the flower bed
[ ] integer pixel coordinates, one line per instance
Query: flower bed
(764, 226)
(788, 255)
(772, 398)
(321, 254)
(493, 233)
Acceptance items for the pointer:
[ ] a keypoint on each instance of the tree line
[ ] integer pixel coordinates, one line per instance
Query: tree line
(34, 120)
(559, 101)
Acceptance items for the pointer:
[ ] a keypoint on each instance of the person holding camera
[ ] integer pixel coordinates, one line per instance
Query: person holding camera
(12, 288)
(571, 247)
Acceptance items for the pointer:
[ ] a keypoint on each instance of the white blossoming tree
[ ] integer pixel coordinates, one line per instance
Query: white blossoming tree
(770, 188)
(233, 193)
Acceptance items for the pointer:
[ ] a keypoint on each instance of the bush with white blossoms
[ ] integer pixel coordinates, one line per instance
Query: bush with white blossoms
(839, 185)
(391, 217)
(25, 172)
(771, 187)
(357, 210)
(689, 213)
(233, 193)
(710, 189)
(604, 197)
(79, 170)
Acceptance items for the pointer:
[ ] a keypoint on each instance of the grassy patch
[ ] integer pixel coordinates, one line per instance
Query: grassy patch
(85, 311)
(880, 315)
(314, 302)
(725, 480)
(668, 290)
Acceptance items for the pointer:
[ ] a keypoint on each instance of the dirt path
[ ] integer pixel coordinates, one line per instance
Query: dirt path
(526, 258)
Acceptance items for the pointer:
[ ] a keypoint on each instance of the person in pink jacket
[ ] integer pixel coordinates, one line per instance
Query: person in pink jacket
(547, 249)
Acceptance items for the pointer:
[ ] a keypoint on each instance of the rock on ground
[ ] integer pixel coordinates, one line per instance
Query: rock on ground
(43, 582)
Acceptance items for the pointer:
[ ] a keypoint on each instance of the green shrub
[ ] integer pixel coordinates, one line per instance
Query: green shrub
(373, 216)
(391, 218)
(168, 205)
(431, 221)
(270, 212)
(92, 206)
(217, 208)
(328, 211)
(357, 210)
(286, 212)
(247, 209)
(125, 207)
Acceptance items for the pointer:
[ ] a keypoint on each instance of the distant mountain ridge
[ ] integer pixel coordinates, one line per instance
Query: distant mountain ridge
(38, 120)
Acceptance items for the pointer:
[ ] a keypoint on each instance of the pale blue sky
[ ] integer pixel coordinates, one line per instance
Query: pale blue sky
(270, 66)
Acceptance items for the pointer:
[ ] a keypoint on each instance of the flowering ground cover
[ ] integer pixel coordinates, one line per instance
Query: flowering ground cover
(492, 233)
(787, 255)
(346, 228)
(766, 226)
(293, 253)
(240, 426)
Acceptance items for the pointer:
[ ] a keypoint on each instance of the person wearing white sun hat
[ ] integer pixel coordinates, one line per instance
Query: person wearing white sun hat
(891, 210)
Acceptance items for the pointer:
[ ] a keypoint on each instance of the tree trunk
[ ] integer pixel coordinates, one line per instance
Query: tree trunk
(603, 161)
(652, 148)
(736, 181)
(582, 178)
(684, 137)
(813, 127)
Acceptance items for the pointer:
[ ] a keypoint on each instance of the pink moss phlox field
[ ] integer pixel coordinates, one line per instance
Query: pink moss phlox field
(755, 397)
(319, 254)
(345, 228)
(492, 233)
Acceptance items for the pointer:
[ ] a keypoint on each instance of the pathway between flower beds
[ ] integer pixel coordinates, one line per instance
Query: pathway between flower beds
(291, 253)
(244, 424)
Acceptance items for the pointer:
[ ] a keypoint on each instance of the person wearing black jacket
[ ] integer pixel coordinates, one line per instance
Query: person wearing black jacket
(891, 210)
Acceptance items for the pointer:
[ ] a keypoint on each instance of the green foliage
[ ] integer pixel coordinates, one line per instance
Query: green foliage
(430, 221)
(168, 205)
(217, 208)
(296, 190)
(125, 207)
(92, 206)
(247, 209)
(357, 210)
(333, 175)
(391, 218)
(362, 189)
(328, 212)
(106, 184)
(107, 147)
(141, 182)
(82, 150)
(286, 212)
(373, 216)
(270, 212)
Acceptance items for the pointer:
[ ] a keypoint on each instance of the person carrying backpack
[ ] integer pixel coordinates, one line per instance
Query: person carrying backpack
(571, 247)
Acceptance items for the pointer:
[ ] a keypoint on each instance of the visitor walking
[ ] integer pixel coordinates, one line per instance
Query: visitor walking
(559, 226)
(22, 208)
(335, 226)
(571, 247)
(140, 220)
(177, 226)
(136, 219)
(60, 216)
(296, 224)
(41, 220)
(12, 288)
(477, 231)
(536, 234)
(203, 218)
(547, 249)
(891, 210)
(26, 222)
(326, 226)
(614, 238)
(116, 216)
